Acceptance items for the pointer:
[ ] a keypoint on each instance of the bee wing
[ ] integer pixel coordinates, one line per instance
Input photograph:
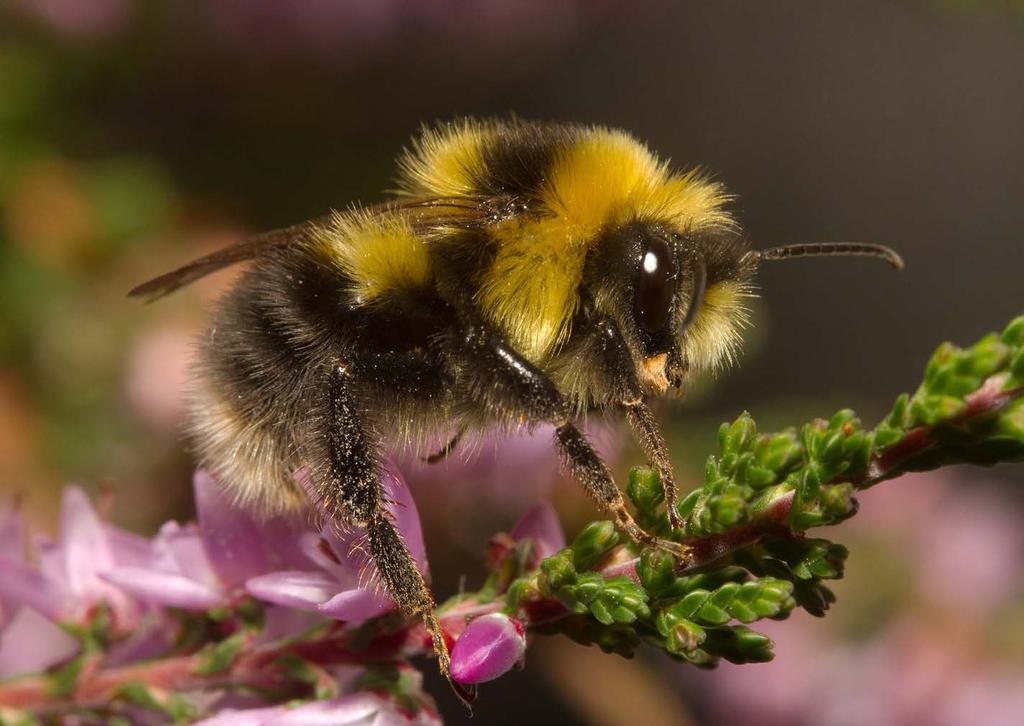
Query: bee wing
(425, 215)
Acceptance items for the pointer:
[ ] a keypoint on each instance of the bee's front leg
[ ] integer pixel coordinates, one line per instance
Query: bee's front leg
(609, 347)
(512, 388)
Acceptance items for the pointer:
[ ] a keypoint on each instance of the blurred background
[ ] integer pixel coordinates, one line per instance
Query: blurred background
(137, 135)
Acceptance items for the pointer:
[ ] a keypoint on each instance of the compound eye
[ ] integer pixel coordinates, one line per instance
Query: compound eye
(655, 285)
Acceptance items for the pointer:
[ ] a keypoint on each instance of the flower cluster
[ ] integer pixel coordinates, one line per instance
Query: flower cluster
(87, 607)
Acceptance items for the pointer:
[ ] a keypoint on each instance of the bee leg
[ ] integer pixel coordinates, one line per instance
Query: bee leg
(508, 383)
(626, 388)
(592, 473)
(651, 441)
(348, 484)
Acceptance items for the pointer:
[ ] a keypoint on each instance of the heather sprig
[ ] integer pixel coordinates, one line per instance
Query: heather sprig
(242, 621)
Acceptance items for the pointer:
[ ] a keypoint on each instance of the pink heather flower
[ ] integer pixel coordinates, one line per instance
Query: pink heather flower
(541, 525)
(68, 585)
(488, 648)
(364, 708)
(342, 584)
(31, 643)
(64, 587)
(93, 19)
(12, 532)
(12, 538)
(198, 567)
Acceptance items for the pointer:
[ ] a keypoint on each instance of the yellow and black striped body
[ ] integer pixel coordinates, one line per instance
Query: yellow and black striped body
(530, 230)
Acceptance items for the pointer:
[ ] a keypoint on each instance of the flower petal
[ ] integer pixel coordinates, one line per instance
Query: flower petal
(293, 588)
(154, 637)
(488, 647)
(365, 708)
(129, 548)
(282, 622)
(185, 552)
(234, 544)
(84, 546)
(32, 643)
(335, 552)
(541, 525)
(22, 585)
(405, 515)
(356, 708)
(169, 589)
(342, 538)
(245, 717)
(362, 708)
(12, 533)
(357, 605)
(286, 533)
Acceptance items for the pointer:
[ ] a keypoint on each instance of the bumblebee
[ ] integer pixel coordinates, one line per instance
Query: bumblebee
(524, 273)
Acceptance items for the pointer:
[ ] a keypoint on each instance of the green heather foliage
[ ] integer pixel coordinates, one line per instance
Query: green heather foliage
(744, 529)
(761, 493)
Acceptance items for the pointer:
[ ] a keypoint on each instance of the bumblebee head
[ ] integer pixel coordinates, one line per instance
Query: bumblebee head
(677, 296)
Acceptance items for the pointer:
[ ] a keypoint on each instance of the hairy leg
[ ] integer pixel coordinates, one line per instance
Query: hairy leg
(650, 440)
(348, 484)
(605, 341)
(515, 389)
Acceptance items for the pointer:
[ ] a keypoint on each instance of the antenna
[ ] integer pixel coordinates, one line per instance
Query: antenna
(831, 249)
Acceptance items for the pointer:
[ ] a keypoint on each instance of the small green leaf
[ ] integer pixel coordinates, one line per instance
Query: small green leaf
(644, 489)
(593, 542)
(219, 657)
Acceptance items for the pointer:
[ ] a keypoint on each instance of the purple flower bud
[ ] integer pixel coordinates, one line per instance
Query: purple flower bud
(488, 647)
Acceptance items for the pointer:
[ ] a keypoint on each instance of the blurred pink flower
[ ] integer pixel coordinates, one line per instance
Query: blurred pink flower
(364, 708)
(959, 524)
(541, 525)
(198, 567)
(68, 585)
(157, 376)
(471, 490)
(64, 586)
(341, 579)
(77, 18)
(31, 643)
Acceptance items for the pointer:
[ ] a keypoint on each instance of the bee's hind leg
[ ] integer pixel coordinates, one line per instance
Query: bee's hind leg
(347, 481)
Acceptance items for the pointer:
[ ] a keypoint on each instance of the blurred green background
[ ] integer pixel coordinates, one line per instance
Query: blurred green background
(136, 135)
